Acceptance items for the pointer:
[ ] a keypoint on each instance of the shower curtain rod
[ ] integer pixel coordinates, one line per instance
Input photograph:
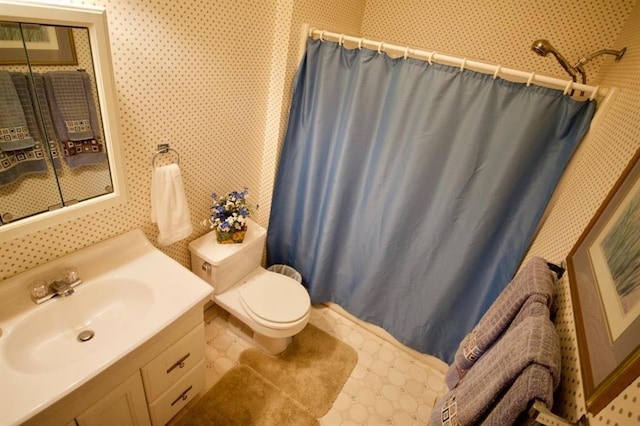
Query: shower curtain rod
(567, 86)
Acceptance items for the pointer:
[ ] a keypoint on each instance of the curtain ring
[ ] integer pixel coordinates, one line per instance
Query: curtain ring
(341, 39)
(360, 44)
(593, 94)
(569, 85)
(497, 71)
(431, 57)
(380, 47)
(531, 77)
(322, 35)
(406, 52)
(464, 62)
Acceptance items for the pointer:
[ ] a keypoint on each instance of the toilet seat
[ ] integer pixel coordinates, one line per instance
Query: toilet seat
(274, 300)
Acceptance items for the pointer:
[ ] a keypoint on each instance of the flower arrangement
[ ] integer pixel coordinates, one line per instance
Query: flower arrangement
(229, 216)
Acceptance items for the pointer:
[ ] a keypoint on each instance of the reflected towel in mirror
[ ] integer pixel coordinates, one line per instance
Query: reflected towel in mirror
(75, 117)
(19, 162)
(13, 125)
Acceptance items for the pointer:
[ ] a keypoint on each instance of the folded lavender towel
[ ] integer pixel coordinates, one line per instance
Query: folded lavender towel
(535, 383)
(535, 278)
(14, 133)
(502, 372)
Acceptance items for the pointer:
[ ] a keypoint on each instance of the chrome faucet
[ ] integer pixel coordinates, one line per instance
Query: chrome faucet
(61, 288)
(63, 285)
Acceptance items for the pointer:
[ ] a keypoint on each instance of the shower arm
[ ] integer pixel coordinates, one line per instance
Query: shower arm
(617, 53)
(579, 66)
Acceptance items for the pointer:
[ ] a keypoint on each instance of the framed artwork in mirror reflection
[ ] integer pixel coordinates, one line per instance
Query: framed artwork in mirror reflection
(46, 45)
(604, 277)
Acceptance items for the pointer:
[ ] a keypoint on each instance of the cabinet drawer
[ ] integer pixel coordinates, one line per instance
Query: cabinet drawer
(171, 365)
(177, 396)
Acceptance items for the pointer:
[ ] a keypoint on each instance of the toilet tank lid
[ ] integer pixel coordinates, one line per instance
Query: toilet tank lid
(208, 249)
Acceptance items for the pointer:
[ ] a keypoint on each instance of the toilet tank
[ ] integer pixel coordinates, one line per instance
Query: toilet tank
(222, 265)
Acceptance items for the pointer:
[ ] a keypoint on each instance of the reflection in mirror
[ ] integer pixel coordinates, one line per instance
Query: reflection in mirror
(61, 90)
(57, 93)
(28, 183)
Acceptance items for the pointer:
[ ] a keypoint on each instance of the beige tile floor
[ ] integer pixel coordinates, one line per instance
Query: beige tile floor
(390, 385)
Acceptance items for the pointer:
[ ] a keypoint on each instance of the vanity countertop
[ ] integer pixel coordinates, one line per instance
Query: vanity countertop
(130, 292)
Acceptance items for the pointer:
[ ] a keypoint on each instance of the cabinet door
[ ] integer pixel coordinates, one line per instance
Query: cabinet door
(125, 405)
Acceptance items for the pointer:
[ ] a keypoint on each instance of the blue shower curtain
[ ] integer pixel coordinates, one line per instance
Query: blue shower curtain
(407, 193)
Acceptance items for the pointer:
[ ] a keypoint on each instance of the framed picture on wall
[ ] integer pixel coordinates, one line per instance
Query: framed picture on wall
(46, 45)
(604, 277)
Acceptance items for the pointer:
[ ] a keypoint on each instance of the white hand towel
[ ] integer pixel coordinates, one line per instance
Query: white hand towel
(169, 208)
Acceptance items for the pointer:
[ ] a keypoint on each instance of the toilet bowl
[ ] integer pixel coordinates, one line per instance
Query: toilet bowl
(275, 307)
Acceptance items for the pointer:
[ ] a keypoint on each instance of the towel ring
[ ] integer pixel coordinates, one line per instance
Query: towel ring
(164, 149)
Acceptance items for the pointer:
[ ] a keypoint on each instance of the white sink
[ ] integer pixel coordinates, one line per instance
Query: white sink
(130, 292)
(47, 339)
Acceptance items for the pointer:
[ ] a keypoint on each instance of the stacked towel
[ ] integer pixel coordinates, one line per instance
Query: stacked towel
(75, 116)
(501, 385)
(169, 208)
(13, 125)
(535, 279)
(23, 151)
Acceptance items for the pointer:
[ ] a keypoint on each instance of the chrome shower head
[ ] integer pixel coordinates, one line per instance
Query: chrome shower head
(543, 48)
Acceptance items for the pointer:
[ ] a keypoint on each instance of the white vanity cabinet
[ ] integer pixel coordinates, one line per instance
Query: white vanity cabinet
(125, 405)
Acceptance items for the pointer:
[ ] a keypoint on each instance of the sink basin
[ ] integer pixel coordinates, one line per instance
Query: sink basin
(130, 292)
(47, 338)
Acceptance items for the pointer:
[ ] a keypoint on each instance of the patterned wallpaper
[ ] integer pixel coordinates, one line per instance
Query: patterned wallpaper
(208, 79)
(501, 31)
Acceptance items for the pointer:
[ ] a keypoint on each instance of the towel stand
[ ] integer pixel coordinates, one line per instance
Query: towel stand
(541, 414)
(163, 148)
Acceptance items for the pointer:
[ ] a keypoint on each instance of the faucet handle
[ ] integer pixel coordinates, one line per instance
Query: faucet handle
(38, 289)
(70, 275)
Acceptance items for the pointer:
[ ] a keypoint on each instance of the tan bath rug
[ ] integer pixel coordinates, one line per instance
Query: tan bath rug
(312, 370)
(243, 397)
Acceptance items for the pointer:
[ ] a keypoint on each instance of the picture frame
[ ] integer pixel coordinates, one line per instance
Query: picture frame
(604, 280)
(49, 45)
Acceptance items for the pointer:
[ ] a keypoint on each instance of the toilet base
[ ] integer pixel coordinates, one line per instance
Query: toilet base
(268, 345)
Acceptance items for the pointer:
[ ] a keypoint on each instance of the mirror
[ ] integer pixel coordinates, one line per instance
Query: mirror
(60, 156)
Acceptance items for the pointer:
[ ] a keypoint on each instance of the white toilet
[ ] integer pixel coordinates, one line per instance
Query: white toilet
(274, 306)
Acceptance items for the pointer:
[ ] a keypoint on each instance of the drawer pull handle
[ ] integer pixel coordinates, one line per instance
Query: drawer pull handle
(179, 363)
(183, 396)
